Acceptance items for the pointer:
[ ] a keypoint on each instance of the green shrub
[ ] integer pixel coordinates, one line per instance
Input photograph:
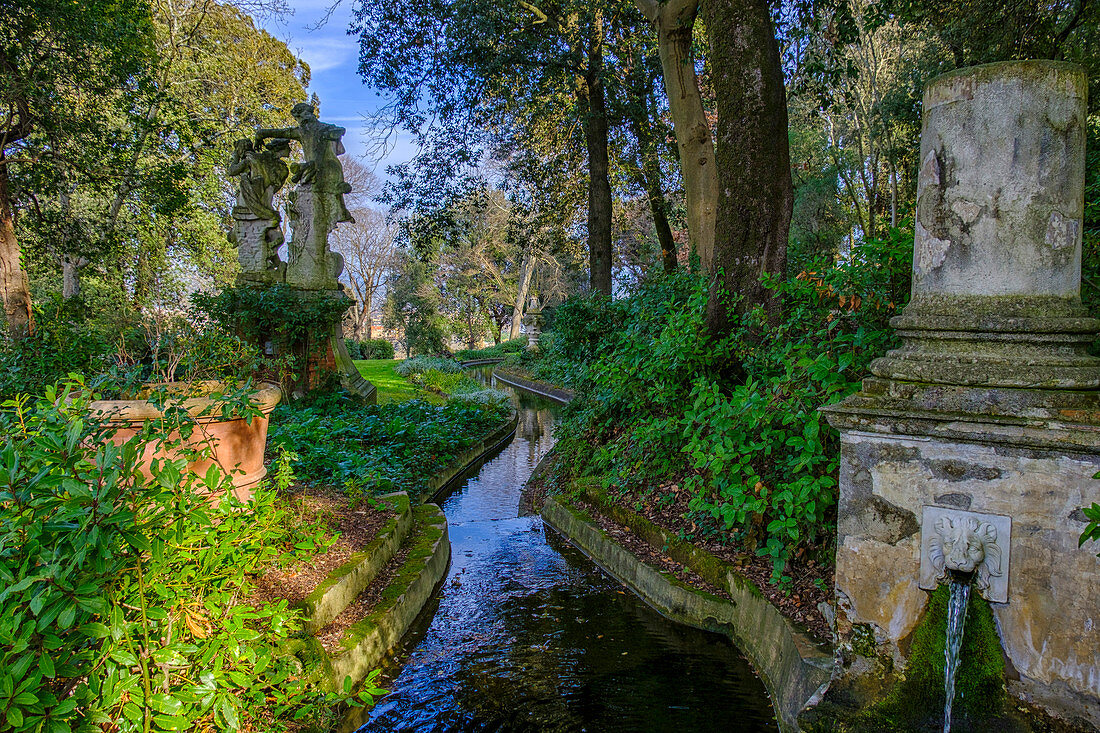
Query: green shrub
(420, 364)
(735, 418)
(376, 349)
(64, 341)
(122, 594)
(512, 346)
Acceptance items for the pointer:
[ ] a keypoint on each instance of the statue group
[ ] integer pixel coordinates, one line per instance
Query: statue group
(314, 207)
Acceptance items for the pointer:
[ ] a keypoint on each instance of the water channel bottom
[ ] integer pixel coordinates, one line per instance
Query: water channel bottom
(526, 634)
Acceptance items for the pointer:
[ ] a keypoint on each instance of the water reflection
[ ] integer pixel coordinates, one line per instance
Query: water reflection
(528, 635)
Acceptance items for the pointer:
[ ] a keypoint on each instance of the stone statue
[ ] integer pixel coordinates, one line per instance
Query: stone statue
(533, 320)
(257, 234)
(317, 204)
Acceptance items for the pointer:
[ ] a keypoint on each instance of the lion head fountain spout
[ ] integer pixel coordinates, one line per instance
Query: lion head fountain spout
(965, 547)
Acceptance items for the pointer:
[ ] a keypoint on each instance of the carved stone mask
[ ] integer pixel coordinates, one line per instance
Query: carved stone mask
(967, 546)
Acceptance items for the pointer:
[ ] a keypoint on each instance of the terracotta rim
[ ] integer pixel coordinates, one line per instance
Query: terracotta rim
(266, 396)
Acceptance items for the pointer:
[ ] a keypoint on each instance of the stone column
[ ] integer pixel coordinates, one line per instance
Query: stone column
(997, 253)
(992, 405)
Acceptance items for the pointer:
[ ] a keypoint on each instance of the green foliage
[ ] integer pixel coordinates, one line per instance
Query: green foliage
(65, 341)
(379, 448)
(512, 346)
(369, 349)
(1092, 529)
(421, 364)
(122, 603)
(737, 418)
(276, 312)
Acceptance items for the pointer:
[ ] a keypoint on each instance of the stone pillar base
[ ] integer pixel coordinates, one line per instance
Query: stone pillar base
(1025, 454)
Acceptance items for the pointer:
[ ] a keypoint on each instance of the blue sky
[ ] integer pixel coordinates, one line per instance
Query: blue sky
(333, 57)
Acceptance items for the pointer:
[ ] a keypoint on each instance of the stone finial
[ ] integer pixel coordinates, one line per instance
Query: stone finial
(997, 252)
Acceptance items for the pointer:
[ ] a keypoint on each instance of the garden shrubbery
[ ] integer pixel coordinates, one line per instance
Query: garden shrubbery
(661, 398)
(369, 349)
(122, 602)
(377, 449)
(504, 348)
(421, 364)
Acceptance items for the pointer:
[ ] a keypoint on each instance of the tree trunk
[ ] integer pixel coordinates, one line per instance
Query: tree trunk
(594, 109)
(14, 287)
(650, 180)
(754, 208)
(470, 337)
(675, 21)
(526, 270)
(70, 275)
(365, 322)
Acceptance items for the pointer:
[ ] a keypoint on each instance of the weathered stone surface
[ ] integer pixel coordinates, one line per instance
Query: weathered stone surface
(999, 200)
(257, 241)
(997, 251)
(311, 265)
(892, 607)
(1049, 625)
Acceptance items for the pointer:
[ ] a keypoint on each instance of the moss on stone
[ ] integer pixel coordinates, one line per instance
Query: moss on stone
(429, 523)
(917, 702)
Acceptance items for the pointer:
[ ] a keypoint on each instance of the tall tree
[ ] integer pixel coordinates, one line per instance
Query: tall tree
(754, 169)
(57, 59)
(460, 72)
(368, 248)
(674, 21)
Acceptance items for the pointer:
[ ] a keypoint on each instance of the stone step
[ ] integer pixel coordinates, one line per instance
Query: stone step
(366, 643)
(345, 583)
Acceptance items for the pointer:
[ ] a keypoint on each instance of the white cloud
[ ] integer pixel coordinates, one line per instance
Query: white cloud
(323, 54)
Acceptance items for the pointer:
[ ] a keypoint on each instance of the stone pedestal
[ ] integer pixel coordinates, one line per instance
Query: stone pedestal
(311, 265)
(257, 241)
(992, 405)
(533, 320)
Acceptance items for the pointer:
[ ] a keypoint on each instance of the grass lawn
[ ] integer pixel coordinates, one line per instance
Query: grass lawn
(392, 387)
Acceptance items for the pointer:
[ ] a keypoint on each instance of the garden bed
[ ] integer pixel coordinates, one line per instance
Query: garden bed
(353, 524)
(378, 449)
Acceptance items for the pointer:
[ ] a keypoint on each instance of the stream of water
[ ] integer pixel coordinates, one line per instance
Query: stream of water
(956, 621)
(526, 634)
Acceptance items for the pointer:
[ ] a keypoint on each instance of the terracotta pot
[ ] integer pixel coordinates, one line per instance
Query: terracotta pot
(237, 446)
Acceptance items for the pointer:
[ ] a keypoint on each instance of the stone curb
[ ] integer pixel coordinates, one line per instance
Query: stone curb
(481, 362)
(346, 582)
(467, 458)
(367, 642)
(795, 671)
(558, 394)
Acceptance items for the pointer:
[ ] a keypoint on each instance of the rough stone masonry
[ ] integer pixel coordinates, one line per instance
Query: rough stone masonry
(992, 404)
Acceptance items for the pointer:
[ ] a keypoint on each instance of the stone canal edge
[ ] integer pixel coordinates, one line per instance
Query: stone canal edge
(420, 526)
(795, 669)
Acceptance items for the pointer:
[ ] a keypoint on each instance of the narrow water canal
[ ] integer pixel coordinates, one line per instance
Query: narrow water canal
(528, 635)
